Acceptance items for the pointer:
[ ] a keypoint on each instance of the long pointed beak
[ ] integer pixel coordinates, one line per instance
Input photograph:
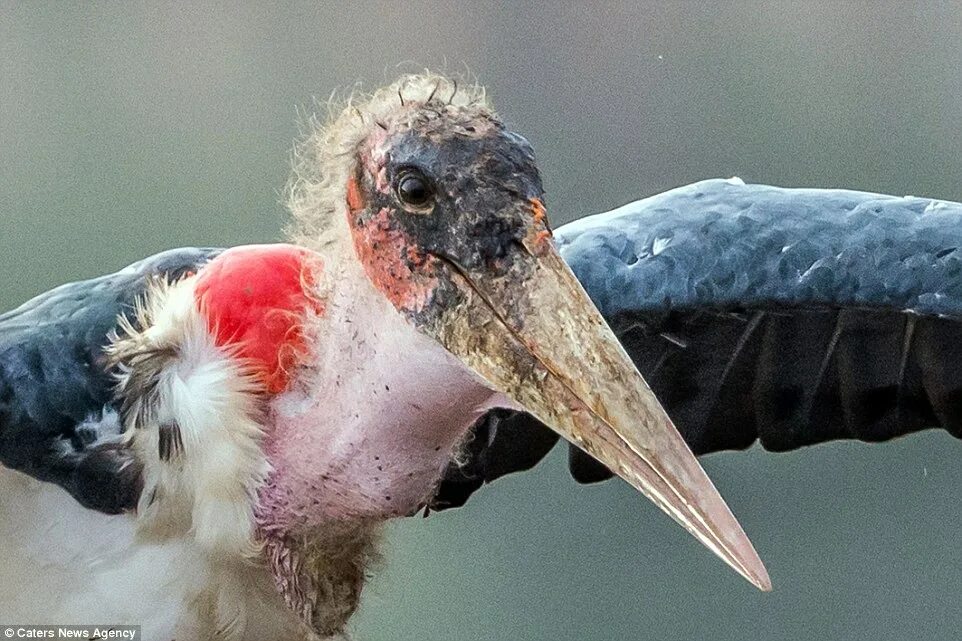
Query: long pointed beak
(535, 336)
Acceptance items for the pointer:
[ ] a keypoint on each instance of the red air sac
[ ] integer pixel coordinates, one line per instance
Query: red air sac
(255, 299)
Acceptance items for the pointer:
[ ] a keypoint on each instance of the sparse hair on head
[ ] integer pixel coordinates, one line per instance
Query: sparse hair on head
(325, 155)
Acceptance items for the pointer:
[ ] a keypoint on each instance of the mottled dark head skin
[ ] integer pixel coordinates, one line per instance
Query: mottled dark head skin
(481, 224)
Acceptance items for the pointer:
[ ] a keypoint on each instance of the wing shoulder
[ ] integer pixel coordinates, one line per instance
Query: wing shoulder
(57, 419)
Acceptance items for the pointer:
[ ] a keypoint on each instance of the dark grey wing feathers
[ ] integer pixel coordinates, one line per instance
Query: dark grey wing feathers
(785, 316)
(493, 451)
(720, 244)
(57, 420)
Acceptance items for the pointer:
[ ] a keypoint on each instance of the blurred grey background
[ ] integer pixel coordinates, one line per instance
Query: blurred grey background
(127, 128)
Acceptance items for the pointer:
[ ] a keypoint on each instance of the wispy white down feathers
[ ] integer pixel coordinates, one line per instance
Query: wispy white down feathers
(325, 157)
(207, 490)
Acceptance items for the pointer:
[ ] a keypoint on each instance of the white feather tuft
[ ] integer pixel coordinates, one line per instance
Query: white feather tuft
(207, 490)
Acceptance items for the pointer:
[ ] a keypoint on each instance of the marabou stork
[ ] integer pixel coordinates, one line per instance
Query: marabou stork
(251, 417)
(208, 441)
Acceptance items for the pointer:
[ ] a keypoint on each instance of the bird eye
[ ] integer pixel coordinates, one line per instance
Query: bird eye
(414, 190)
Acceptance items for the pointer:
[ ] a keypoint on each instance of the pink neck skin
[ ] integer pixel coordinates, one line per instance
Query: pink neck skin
(371, 428)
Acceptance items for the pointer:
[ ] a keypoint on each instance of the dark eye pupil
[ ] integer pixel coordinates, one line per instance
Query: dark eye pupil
(414, 190)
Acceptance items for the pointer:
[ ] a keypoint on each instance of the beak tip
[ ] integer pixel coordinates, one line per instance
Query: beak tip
(756, 573)
(743, 558)
(763, 582)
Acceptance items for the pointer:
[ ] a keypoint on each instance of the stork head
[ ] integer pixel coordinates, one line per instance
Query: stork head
(444, 208)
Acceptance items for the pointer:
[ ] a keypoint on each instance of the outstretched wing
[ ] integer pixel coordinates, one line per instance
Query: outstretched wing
(787, 316)
(57, 419)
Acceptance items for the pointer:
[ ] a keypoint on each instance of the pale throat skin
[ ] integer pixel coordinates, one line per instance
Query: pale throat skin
(373, 418)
